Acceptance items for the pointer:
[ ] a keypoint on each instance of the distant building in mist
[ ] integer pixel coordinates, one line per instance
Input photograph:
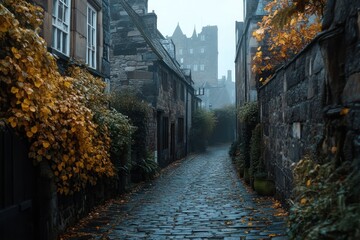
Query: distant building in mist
(200, 54)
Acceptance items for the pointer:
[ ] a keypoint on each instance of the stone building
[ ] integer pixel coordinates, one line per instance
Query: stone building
(78, 32)
(223, 94)
(143, 60)
(246, 47)
(200, 54)
(310, 105)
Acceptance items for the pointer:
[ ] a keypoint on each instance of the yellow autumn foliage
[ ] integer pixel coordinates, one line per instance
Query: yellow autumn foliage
(281, 42)
(55, 112)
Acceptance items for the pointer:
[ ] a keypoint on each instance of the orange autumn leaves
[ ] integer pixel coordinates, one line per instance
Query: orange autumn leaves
(53, 111)
(279, 42)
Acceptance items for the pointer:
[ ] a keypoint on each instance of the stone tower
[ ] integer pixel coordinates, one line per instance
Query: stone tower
(199, 53)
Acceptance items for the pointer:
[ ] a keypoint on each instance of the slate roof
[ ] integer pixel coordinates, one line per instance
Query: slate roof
(178, 32)
(153, 41)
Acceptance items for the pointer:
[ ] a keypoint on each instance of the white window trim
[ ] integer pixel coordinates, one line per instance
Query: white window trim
(91, 62)
(61, 26)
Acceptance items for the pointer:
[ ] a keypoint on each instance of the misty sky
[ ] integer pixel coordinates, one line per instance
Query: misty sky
(199, 13)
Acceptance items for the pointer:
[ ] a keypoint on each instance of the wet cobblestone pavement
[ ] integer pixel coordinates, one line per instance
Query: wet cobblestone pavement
(200, 198)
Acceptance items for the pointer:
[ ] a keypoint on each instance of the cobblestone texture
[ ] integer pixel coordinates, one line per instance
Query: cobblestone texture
(201, 198)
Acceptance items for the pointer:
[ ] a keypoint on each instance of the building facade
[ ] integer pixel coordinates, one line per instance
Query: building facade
(200, 54)
(246, 46)
(142, 61)
(78, 31)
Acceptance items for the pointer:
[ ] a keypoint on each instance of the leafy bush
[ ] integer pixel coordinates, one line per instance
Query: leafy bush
(203, 124)
(144, 169)
(138, 111)
(256, 163)
(234, 149)
(120, 131)
(225, 125)
(249, 118)
(325, 202)
(249, 113)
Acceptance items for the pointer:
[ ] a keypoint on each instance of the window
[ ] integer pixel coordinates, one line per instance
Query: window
(202, 50)
(202, 67)
(202, 37)
(182, 92)
(174, 86)
(195, 67)
(91, 37)
(180, 51)
(181, 60)
(164, 80)
(61, 26)
(165, 143)
(180, 130)
(191, 51)
(188, 66)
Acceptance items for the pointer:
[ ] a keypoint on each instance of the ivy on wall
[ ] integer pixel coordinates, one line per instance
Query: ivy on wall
(54, 112)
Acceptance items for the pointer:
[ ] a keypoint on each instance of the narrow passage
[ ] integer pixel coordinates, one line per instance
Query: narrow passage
(201, 198)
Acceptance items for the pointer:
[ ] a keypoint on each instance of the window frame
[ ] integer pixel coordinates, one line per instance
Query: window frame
(181, 130)
(61, 26)
(91, 47)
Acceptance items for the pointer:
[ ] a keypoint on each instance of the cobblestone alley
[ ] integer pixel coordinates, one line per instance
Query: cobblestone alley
(199, 198)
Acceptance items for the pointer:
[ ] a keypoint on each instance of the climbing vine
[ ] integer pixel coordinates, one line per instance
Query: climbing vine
(55, 112)
(284, 32)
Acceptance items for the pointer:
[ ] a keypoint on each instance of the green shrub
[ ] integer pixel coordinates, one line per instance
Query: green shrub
(203, 124)
(144, 169)
(249, 118)
(225, 125)
(256, 163)
(120, 131)
(249, 113)
(138, 111)
(234, 150)
(325, 202)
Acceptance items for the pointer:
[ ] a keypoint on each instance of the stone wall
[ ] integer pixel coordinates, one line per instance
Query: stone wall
(290, 111)
(312, 105)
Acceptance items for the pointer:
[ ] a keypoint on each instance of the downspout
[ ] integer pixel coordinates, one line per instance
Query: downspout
(186, 121)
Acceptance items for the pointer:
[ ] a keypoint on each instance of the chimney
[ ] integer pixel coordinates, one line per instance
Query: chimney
(150, 21)
(229, 77)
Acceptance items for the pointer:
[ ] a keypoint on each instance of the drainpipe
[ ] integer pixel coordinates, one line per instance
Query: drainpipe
(186, 121)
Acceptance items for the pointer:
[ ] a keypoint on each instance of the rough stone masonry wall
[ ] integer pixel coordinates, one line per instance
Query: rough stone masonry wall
(312, 105)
